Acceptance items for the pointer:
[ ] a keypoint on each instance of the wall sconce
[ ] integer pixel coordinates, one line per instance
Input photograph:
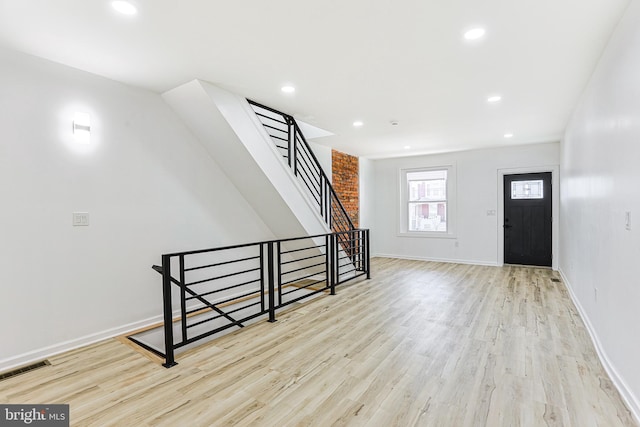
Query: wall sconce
(82, 128)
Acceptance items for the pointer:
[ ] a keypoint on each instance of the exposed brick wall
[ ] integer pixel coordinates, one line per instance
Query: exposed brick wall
(346, 182)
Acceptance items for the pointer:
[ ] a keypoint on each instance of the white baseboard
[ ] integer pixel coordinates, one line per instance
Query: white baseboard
(629, 398)
(451, 261)
(43, 353)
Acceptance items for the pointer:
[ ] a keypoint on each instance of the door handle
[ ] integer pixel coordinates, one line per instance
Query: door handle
(507, 226)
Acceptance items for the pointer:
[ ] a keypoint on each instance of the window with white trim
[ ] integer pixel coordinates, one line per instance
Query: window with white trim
(426, 201)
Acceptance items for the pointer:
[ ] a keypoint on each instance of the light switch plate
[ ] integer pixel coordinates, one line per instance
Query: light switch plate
(80, 219)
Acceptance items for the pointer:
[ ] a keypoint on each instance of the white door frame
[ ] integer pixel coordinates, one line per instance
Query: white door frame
(555, 208)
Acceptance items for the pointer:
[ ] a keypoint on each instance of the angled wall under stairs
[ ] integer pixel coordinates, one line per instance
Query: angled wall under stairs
(230, 131)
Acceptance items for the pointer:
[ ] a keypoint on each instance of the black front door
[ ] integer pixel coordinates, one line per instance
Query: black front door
(527, 219)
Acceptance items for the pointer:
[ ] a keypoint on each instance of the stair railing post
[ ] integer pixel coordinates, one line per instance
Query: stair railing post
(272, 291)
(294, 149)
(330, 212)
(289, 142)
(322, 184)
(367, 253)
(336, 259)
(329, 260)
(168, 313)
(262, 279)
(183, 300)
(359, 249)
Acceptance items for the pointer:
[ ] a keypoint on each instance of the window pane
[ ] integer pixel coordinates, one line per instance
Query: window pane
(428, 216)
(527, 189)
(427, 185)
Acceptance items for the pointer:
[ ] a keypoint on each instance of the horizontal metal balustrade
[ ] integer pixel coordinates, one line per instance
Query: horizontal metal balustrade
(221, 288)
(291, 143)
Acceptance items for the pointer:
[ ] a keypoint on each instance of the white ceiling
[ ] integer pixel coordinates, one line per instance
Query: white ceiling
(369, 60)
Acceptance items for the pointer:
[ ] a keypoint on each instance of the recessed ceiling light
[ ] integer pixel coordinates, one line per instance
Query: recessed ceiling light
(357, 123)
(288, 89)
(508, 135)
(474, 33)
(494, 98)
(124, 7)
(406, 147)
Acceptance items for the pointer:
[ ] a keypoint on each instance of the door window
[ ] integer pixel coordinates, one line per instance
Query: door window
(522, 190)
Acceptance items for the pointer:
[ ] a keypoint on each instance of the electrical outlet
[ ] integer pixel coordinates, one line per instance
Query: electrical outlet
(627, 220)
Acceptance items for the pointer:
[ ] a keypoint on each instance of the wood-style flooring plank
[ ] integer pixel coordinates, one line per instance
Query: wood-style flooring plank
(420, 344)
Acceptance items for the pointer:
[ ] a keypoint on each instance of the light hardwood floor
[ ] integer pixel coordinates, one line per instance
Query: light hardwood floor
(421, 344)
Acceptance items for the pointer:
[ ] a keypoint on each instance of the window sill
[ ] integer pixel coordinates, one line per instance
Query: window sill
(427, 235)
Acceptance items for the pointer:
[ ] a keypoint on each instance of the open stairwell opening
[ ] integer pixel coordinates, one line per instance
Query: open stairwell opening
(210, 292)
(289, 140)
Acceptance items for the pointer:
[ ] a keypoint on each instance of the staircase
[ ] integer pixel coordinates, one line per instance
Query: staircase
(291, 143)
(229, 130)
(295, 150)
(267, 158)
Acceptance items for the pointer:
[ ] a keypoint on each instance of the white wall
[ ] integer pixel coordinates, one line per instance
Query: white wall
(600, 259)
(323, 154)
(148, 185)
(367, 192)
(477, 177)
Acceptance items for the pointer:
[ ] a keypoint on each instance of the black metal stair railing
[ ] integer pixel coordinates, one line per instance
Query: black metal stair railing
(289, 140)
(212, 290)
